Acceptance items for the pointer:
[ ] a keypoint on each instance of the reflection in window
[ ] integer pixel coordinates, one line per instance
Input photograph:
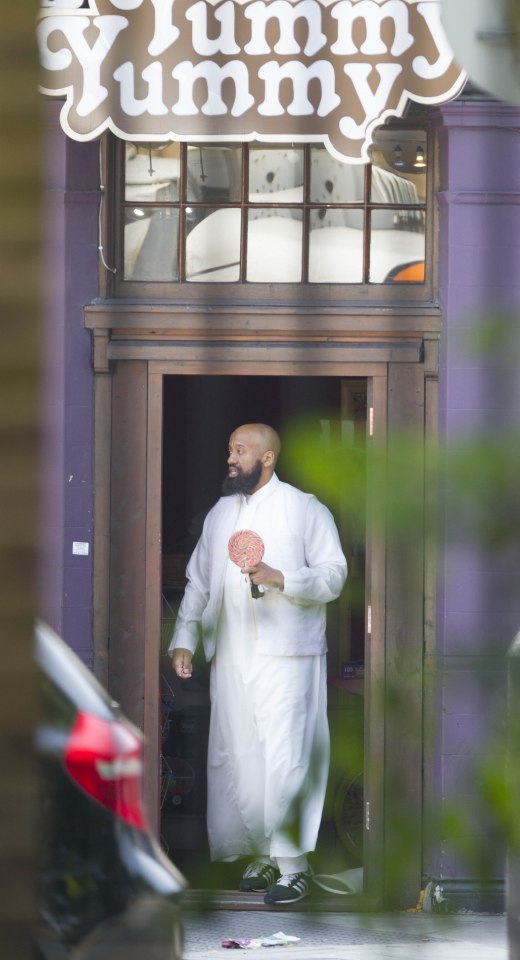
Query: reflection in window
(151, 231)
(399, 163)
(274, 246)
(275, 175)
(283, 213)
(152, 173)
(151, 244)
(398, 177)
(392, 243)
(412, 272)
(214, 174)
(333, 181)
(213, 245)
(336, 246)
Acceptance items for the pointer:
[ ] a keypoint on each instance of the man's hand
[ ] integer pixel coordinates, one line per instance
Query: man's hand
(182, 664)
(265, 576)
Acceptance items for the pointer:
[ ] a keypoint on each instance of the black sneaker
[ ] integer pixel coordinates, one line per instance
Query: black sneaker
(290, 888)
(258, 876)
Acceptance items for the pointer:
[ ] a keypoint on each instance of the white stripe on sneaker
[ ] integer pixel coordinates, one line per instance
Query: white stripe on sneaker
(290, 888)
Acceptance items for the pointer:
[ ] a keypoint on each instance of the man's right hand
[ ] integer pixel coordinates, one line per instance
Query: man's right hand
(182, 664)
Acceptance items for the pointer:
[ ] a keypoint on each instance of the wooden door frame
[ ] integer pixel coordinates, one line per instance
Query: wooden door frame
(127, 640)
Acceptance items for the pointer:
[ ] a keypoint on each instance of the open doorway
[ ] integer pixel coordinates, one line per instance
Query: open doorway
(200, 412)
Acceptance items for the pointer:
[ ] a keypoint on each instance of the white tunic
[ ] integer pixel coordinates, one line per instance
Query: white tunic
(268, 750)
(300, 539)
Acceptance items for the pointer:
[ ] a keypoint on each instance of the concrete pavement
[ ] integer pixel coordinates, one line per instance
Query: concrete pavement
(347, 936)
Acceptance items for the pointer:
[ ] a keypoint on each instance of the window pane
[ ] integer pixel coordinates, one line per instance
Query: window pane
(151, 244)
(399, 167)
(213, 244)
(336, 246)
(152, 172)
(361, 222)
(333, 181)
(214, 173)
(393, 245)
(275, 174)
(274, 246)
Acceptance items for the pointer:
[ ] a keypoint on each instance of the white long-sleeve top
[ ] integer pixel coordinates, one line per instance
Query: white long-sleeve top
(300, 539)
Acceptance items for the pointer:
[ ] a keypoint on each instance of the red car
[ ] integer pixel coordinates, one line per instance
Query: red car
(107, 890)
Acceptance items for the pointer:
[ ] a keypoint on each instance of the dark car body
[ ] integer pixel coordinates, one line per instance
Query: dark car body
(106, 889)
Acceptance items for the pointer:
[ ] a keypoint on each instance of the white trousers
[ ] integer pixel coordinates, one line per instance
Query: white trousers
(268, 751)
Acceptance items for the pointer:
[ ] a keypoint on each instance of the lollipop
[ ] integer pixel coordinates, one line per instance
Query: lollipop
(246, 549)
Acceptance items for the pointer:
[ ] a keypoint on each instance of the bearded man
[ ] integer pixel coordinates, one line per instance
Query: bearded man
(268, 750)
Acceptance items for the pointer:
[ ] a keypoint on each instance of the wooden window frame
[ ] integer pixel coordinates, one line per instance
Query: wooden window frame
(250, 293)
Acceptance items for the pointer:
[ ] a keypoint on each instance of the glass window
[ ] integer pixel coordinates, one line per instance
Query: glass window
(333, 181)
(214, 174)
(274, 245)
(336, 246)
(152, 172)
(399, 165)
(276, 214)
(151, 244)
(394, 245)
(397, 232)
(213, 244)
(275, 174)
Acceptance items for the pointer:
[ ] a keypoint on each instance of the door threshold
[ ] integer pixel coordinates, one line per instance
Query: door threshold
(316, 903)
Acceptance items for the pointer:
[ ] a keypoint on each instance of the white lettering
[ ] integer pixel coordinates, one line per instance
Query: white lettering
(62, 4)
(89, 58)
(346, 13)
(429, 71)
(225, 14)
(286, 14)
(55, 59)
(187, 73)
(153, 102)
(273, 73)
(126, 4)
(349, 63)
(373, 103)
(165, 33)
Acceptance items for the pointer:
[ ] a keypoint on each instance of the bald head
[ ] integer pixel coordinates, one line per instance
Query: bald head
(253, 452)
(262, 435)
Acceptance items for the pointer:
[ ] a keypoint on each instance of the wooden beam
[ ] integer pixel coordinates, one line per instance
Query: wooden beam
(242, 321)
(262, 356)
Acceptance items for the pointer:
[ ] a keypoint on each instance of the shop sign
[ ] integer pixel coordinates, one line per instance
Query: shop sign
(299, 70)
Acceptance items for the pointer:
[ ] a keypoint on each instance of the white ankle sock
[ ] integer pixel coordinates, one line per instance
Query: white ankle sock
(293, 864)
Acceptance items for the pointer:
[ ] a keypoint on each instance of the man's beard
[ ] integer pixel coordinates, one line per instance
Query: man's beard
(243, 482)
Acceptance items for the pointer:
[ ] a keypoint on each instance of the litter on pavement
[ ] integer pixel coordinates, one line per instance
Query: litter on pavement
(279, 939)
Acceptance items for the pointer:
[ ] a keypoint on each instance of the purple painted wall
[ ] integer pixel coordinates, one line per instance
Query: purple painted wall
(478, 606)
(71, 267)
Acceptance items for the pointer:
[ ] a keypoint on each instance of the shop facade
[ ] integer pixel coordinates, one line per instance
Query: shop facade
(160, 341)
